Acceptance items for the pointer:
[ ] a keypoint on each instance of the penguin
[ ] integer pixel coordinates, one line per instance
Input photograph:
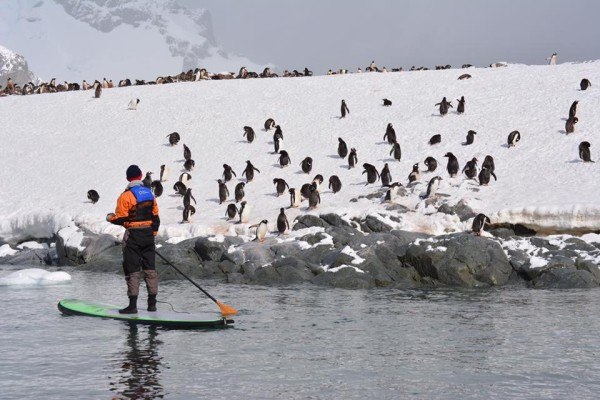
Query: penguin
(282, 222)
(157, 188)
(552, 59)
(584, 84)
(432, 187)
(249, 134)
(435, 139)
(231, 211)
(396, 151)
(305, 190)
(244, 213)
(386, 176)
(464, 76)
(261, 230)
(372, 173)
(307, 165)
(187, 212)
(352, 158)
(228, 173)
(133, 104)
(189, 165)
(470, 138)
(85, 85)
(573, 109)
(93, 196)
(174, 138)
(452, 166)
(584, 152)
(284, 158)
(185, 177)
(98, 91)
(392, 192)
(223, 191)
(387, 103)
(280, 186)
(269, 124)
(431, 164)
(148, 180)
(479, 222)
(164, 173)
(344, 109)
(295, 198)
(488, 162)
(335, 184)
(444, 104)
(342, 149)
(484, 176)
(513, 138)
(570, 125)
(239, 192)
(277, 144)
(187, 154)
(415, 175)
(180, 188)
(188, 197)
(390, 134)
(278, 132)
(470, 169)
(104, 83)
(249, 171)
(460, 109)
(314, 199)
(318, 181)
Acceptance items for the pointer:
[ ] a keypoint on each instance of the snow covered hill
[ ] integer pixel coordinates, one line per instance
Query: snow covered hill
(75, 39)
(13, 65)
(58, 146)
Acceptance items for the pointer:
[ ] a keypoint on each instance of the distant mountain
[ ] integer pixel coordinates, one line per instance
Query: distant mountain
(13, 65)
(91, 39)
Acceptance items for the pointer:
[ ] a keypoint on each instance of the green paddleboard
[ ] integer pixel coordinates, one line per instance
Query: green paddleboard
(163, 318)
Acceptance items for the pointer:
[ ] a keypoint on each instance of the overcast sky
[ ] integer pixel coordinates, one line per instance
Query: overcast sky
(323, 34)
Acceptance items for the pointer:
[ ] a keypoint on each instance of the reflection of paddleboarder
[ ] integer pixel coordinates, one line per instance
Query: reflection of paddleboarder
(141, 366)
(137, 211)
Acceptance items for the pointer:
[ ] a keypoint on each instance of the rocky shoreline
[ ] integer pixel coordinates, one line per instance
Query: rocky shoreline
(327, 250)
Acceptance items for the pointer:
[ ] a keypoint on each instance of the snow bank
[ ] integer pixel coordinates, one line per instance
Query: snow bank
(87, 143)
(34, 276)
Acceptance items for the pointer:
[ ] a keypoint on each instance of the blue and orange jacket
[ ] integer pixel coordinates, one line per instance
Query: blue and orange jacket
(137, 208)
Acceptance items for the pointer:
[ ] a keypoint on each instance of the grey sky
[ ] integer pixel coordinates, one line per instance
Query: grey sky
(323, 34)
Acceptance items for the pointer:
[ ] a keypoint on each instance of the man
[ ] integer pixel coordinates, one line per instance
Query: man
(137, 211)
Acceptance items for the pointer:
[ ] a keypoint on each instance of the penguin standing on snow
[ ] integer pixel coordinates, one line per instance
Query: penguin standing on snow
(295, 198)
(239, 192)
(249, 134)
(269, 124)
(452, 166)
(479, 222)
(314, 199)
(231, 211)
(180, 188)
(189, 164)
(98, 91)
(188, 197)
(318, 181)
(584, 84)
(284, 158)
(352, 158)
(282, 222)
(344, 109)
(444, 104)
(306, 189)
(164, 173)
(435, 139)
(488, 162)
(244, 213)
(460, 109)
(396, 151)
(552, 59)
(335, 184)
(133, 104)
(157, 188)
(386, 176)
(431, 164)
(484, 176)
(306, 165)
(342, 148)
(280, 186)
(573, 110)
(470, 138)
(93, 196)
(261, 230)
(188, 211)
(387, 103)
(513, 138)
(228, 173)
(470, 169)
(372, 173)
(249, 171)
(584, 152)
(174, 138)
(223, 192)
(392, 192)
(415, 175)
(187, 153)
(185, 177)
(570, 125)
(432, 187)
(148, 180)
(390, 134)
(278, 133)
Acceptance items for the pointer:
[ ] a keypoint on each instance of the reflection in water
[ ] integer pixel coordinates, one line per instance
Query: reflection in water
(139, 365)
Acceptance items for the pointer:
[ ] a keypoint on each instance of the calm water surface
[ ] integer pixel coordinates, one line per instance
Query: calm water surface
(305, 342)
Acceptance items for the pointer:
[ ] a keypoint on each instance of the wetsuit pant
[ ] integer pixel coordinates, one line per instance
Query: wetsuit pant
(138, 259)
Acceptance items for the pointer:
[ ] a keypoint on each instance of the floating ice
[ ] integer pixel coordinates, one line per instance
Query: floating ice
(34, 276)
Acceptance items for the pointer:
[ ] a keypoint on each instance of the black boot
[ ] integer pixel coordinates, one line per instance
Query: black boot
(131, 308)
(151, 302)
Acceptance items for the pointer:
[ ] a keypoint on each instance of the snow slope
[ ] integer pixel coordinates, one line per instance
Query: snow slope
(57, 146)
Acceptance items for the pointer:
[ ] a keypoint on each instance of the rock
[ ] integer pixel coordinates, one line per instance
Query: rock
(237, 256)
(97, 244)
(579, 245)
(266, 275)
(313, 238)
(463, 211)
(31, 257)
(565, 278)
(519, 260)
(336, 258)
(292, 270)
(588, 266)
(407, 237)
(209, 250)
(376, 225)
(235, 278)
(334, 220)
(309, 221)
(347, 278)
(399, 208)
(229, 268)
(343, 237)
(446, 209)
(502, 233)
(259, 254)
(385, 267)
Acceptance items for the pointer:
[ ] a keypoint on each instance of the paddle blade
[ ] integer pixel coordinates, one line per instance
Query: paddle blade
(226, 310)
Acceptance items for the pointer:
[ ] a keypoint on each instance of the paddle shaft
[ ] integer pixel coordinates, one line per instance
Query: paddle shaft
(187, 277)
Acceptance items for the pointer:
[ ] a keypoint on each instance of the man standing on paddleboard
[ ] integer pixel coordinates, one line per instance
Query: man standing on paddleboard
(137, 211)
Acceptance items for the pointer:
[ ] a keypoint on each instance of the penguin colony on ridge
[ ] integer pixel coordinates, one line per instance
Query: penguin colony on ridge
(470, 169)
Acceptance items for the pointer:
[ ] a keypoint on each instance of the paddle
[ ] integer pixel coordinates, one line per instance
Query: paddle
(225, 309)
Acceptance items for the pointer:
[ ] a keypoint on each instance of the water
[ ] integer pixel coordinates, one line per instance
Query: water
(305, 343)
